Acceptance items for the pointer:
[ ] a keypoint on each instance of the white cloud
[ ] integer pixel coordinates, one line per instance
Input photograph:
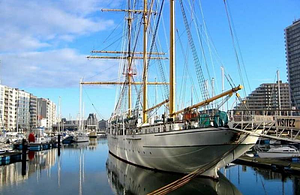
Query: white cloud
(33, 32)
(30, 25)
(56, 68)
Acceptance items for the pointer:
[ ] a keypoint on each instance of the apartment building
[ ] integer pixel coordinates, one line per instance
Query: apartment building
(266, 97)
(10, 108)
(33, 112)
(46, 113)
(2, 105)
(19, 110)
(23, 112)
(292, 47)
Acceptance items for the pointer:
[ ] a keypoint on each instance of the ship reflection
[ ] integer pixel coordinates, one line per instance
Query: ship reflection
(125, 178)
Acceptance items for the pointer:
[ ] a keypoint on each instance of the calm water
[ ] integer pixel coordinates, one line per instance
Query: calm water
(89, 169)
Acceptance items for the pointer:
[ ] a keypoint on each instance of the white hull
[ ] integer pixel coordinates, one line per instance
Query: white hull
(81, 138)
(121, 176)
(278, 155)
(182, 151)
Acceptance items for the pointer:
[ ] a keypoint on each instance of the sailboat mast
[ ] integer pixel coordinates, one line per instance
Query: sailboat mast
(279, 98)
(172, 58)
(80, 104)
(145, 76)
(129, 60)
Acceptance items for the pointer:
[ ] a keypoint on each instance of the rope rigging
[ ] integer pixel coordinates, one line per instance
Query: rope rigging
(235, 42)
(199, 72)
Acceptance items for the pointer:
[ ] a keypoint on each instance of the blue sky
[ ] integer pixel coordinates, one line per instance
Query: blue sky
(44, 45)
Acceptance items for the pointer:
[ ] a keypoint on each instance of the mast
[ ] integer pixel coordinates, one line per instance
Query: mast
(129, 60)
(145, 90)
(212, 89)
(222, 74)
(279, 99)
(59, 114)
(80, 104)
(172, 58)
(82, 119)
(131, 55)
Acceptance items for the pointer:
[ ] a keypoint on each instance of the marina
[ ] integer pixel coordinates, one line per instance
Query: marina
(88, 168)
(149, 97)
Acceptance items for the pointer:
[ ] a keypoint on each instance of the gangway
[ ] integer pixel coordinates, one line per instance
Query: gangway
(277, 127)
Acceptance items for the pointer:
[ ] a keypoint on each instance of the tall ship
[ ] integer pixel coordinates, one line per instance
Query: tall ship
(198, 137)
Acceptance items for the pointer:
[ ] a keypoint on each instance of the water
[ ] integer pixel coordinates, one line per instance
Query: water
(90, 169)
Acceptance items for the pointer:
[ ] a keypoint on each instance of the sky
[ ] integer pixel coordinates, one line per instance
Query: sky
(44, 45)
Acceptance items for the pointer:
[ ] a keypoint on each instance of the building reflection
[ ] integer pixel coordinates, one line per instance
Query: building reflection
(36, 161)
(93, 143)
(269, 175)
(125, 178)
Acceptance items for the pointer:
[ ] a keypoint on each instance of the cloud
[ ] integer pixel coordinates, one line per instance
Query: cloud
(30, 25)
(56, 68)
(35, 36)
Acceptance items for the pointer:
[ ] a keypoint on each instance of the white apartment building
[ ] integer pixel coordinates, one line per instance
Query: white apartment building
(19, 110)
(23, 111)
(10, 108)
(2, 106)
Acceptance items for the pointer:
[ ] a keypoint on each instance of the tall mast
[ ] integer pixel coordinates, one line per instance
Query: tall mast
(129, 60)
(279, 99)
(80, 104)
(172, 58)
(145, 64)
(59, 114)
(222, 74)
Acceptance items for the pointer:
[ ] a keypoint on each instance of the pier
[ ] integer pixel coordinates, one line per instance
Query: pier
(291, 166)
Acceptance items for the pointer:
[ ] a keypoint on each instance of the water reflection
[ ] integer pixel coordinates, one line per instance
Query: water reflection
(128, 179)
(87, 168)
(36, 161)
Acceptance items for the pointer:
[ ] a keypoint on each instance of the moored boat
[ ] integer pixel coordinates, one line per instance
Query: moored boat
(81, 137)
(283, 152)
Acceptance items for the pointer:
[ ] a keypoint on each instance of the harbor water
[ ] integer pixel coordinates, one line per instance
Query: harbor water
(88, 168)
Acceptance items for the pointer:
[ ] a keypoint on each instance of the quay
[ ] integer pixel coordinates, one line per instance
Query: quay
(36, 146)
(286, 166)
(10, 157)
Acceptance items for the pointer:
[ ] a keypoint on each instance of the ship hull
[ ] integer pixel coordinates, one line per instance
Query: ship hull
(182, 151)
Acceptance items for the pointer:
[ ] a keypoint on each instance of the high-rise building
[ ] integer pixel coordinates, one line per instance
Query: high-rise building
(2, 106)
(265, 97)
(10, 108)
(33, 112)
(292, 46)
(23, 113)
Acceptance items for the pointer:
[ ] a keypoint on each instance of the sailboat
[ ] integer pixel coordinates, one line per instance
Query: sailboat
(81, 135)
(182, 141)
